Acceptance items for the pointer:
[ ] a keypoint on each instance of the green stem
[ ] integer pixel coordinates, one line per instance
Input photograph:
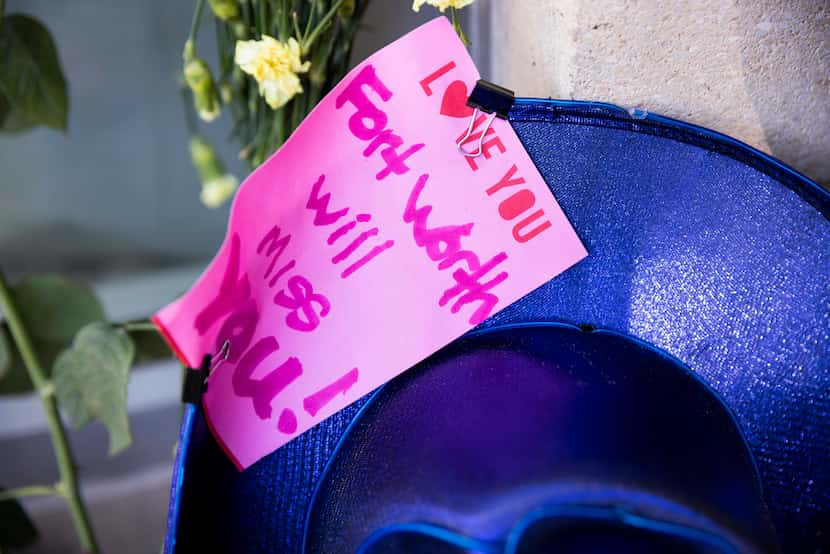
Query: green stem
(284, 20)
(261, 27)
(275, 135)
(309, 42)
(302, 38)
(194, 24)
(314, 94)
(142, 325)
(457, 26)
(68, 485)
(33, 490)
(295, 18)
(297, 113)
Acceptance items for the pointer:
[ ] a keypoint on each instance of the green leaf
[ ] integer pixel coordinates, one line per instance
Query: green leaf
(16, 379)
(31, 78)
(11, 120)
(16, 529)
(91, 380)
(54, 307)
(149, 346)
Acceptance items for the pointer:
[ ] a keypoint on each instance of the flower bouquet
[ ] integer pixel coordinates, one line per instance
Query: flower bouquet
(276, 60)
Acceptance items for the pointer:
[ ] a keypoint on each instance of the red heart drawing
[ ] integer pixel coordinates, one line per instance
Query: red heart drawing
(454, 103)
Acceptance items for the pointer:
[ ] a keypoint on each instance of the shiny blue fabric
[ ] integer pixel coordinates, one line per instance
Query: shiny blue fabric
(589, 436)
(698, 245)
(720, 264)
(182, 452)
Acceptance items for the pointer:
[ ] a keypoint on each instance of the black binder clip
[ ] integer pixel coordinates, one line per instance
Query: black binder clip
(196, 380)
(491, 99)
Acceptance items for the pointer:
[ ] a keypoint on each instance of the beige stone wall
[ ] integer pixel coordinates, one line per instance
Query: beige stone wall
(756, 70)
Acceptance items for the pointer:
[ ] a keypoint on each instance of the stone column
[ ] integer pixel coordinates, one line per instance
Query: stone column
(758, 70)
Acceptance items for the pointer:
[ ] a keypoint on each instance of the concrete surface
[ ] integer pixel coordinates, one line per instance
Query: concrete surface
(758, 70)
(128, 514)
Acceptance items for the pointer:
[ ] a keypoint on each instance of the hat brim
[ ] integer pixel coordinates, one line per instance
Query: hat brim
(698, 244)
(713, 252)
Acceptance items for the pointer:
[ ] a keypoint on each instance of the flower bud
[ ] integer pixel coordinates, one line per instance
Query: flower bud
(189, 50)
(217, 191)
(240, 30)
(226, 10)
(346, 10)
(226, 93)
(200, 80)
(217, 184)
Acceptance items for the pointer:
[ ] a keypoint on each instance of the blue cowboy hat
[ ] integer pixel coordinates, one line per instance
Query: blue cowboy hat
(670, 393)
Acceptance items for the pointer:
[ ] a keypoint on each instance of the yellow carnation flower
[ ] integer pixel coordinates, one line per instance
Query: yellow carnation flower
(441, 4)
(274, 65)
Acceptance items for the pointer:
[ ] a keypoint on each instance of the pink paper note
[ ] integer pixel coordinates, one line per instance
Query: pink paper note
(366, 243)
